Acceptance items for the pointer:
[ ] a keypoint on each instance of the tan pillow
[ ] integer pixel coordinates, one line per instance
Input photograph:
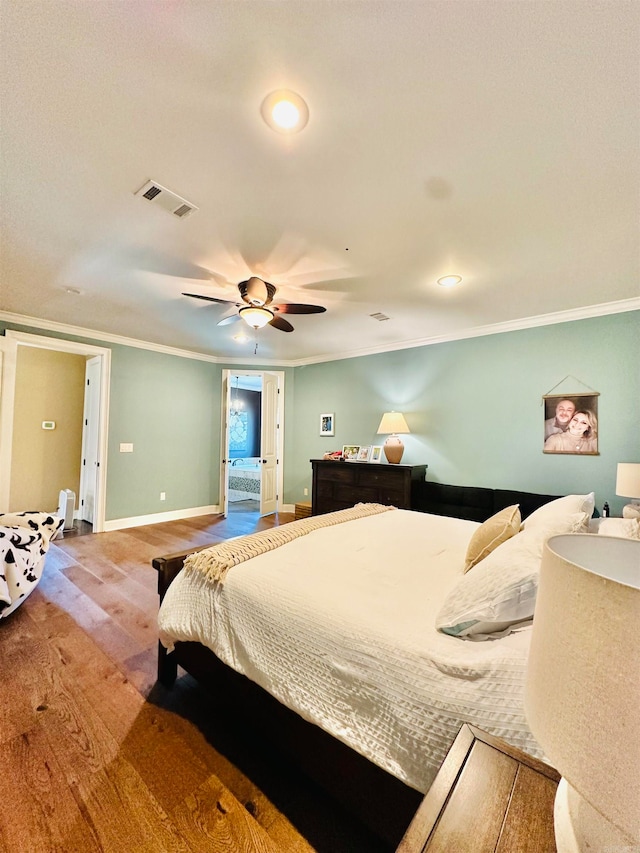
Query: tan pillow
(491, 533)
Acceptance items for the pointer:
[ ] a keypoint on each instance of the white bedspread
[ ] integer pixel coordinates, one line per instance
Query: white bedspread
(339, 626)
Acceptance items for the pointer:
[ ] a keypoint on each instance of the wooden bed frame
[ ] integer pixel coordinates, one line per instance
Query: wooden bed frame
(379, 800)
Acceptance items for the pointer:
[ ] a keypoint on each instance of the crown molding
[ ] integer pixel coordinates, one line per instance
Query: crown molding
(600, 310)
(107, 337)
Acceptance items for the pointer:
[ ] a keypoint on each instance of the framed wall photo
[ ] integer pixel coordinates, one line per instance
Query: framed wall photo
(350, 452)
(363, 453)
(326, 424)
(376, 454)
(571, 424)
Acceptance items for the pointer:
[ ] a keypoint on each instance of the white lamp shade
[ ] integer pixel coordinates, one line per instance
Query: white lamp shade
(393, 423)
(582, 696)
(628, 480)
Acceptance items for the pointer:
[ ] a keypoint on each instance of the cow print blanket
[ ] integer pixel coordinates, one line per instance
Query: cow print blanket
(24, 540)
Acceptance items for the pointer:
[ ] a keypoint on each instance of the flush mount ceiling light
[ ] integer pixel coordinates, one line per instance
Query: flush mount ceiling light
(449, 280)
(256, 317)
(285, 111)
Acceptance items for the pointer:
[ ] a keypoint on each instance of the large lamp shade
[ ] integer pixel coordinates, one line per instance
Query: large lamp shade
(582, 697)
(628, 486)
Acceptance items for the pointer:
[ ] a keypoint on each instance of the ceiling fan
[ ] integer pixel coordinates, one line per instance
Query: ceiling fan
(256, 307)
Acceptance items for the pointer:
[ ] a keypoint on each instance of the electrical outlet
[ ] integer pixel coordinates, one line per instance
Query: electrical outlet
(163, 496)
(306, 492)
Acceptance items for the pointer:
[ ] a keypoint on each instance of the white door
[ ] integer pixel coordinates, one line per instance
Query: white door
(224, 449)
(90, 436)
(269, 445)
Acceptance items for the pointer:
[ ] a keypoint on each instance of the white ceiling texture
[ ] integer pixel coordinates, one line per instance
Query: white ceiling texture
(498, 141)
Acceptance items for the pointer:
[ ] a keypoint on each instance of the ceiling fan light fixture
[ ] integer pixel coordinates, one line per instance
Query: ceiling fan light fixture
(285, 111)
(449, 280)
(256, 317)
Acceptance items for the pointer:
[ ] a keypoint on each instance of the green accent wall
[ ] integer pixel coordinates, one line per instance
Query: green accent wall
(474, 408)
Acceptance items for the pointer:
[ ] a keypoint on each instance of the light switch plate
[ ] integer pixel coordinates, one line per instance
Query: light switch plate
(48, 424)
(126, 448)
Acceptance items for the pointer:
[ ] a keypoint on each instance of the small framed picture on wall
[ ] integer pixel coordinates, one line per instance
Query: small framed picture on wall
(326, 424)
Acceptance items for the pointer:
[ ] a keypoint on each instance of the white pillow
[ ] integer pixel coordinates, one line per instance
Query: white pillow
(626, 528)
(562, 508)
(501, 590)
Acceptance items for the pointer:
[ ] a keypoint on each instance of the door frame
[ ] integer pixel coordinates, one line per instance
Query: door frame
(88, 478)
(9, 344)
(227, 373)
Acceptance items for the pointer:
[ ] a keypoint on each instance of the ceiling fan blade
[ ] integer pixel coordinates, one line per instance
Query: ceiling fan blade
(227, 320)
(298, 308)
(211, 299)
(281, 323)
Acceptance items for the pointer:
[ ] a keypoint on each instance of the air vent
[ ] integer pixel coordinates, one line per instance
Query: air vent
(379, 316)
(164, 198)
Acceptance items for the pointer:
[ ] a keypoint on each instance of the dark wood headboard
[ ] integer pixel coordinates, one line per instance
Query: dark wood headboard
(473, 502)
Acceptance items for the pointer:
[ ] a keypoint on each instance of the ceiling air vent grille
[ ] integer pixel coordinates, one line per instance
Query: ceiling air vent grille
(161, 196)
(380, 317)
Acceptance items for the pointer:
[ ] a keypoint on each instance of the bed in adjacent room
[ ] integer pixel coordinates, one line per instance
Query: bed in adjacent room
(386, 631)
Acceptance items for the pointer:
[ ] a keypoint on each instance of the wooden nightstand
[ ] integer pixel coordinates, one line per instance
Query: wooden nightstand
(488, 797)
(302, 510)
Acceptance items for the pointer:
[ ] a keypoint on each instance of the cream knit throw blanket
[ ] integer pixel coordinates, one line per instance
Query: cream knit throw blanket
(215, 562)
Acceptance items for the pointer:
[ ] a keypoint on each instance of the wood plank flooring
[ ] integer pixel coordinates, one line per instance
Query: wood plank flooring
(97, 756)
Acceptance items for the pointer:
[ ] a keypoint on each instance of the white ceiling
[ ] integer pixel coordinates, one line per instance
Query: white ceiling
(496, 140)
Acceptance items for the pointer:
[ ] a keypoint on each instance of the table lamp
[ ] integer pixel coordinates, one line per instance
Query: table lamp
(582, 694)
(628, 486)
(393, 423)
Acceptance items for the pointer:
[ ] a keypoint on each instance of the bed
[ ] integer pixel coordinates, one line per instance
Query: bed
(329, 644)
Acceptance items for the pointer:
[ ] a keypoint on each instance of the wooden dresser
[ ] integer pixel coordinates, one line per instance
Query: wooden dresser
(338, 485)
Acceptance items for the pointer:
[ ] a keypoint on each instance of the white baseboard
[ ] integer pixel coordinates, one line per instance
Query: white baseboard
(172, 515)
(156, 518)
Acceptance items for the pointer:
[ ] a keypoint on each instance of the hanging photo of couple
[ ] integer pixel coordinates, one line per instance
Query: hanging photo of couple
(571, 423)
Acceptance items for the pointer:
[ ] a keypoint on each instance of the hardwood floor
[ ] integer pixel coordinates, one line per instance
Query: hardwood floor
(97, 756)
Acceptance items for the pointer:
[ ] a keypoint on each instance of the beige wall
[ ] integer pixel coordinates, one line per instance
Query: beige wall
(49, 387)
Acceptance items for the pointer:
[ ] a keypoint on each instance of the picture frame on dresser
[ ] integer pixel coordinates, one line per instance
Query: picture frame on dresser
(364, 453)
(326, 424)
(350, 452)
(376, 453)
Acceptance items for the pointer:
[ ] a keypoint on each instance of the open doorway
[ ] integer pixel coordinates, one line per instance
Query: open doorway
(251, 441)
(89, 428)
(245, 428)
